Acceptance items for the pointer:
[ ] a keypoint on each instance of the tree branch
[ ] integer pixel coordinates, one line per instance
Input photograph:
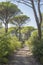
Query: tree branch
(3, 22)
(25, 4)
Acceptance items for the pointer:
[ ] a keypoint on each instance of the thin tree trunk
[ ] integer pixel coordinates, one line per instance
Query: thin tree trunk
(16, 32)
(37, 20)
(6, 27)
(39, 32)
(19, 33)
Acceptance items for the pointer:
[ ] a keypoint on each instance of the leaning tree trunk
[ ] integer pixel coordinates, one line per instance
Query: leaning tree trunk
(6, 27)
(37, 19)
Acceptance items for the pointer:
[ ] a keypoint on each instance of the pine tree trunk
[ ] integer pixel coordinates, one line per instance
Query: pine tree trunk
(39, 32)
(6, 27)
(37, 19)
(19, 33)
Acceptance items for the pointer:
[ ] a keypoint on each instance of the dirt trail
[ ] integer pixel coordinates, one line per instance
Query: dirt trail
(23, 57)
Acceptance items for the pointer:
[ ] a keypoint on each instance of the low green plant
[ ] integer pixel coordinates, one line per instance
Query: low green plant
(36, 46)
(8, 45)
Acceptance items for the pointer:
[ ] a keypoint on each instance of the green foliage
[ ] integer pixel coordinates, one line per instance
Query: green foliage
(19, 20)
(7, 10)
(15, 44)
(8, 45)
(36, 46)
(27, 29)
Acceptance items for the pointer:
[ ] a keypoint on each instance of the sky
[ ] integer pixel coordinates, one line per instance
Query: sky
(29, 12)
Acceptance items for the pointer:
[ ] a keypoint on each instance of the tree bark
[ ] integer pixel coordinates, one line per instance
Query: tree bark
(16, 32)
(6, 27)
(39, 31)
(37, 20)
(19, 33)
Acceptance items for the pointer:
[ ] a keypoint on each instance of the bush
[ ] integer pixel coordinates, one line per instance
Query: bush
(36, 46)
(7, 46)
(15, 43)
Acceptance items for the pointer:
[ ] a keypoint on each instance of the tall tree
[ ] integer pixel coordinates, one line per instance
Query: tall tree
(7, 11)
(33, 4)
(19, 21)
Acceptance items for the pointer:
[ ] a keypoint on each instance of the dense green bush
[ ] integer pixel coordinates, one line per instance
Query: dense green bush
(7, 46)
(36, 46)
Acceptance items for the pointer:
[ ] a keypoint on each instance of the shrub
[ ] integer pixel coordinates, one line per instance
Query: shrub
(36, 46)
(7, 46)
(15, 43)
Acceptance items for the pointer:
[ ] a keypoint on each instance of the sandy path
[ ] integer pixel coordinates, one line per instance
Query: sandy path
(23, 57)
